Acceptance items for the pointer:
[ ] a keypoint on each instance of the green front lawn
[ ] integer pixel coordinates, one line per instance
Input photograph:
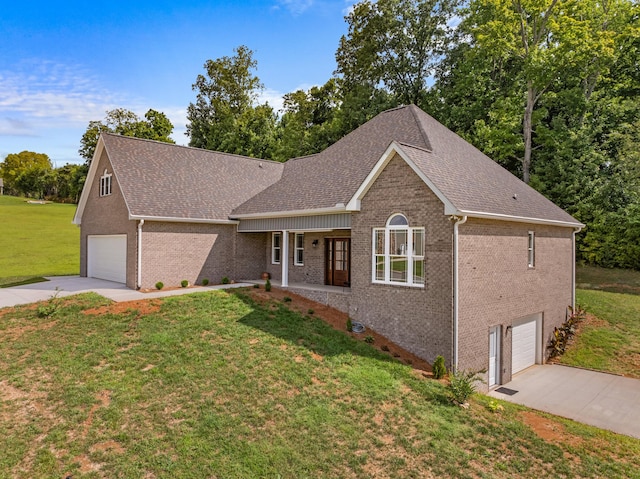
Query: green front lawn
(217, 385)
(37, 240)
(608, 279)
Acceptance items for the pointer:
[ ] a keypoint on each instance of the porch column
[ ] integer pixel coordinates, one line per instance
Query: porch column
(284, 260)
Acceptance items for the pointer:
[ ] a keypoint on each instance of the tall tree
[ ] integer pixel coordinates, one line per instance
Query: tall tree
(548, 37)
(395, 45)
(26, 163)
(155, 126)
(226, 116)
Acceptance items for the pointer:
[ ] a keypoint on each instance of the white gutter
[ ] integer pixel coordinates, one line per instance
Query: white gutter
(169, 219)
(518, 219)
(139, 281)
(458, 222)
(573, 269)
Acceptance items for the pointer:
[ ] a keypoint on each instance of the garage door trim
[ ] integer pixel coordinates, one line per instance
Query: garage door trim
(526, 345)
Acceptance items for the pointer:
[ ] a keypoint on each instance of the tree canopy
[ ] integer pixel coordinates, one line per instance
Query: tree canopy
(155, 126)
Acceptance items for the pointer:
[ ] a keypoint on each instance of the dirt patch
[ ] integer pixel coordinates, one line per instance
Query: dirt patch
(9, 393)
(168, 288)
(143, 306)
(104, 398)
(549, 430)
(338, 320)
(108, 446)
(17, 332)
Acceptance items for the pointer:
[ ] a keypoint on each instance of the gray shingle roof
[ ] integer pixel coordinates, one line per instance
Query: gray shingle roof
(469, 179)
(163, 180)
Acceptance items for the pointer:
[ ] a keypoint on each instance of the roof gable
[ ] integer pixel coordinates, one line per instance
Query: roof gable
(176, 183)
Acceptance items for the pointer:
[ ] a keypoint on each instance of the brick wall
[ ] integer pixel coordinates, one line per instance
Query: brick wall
(419, 319)
(172, 252)
(250, 260)
(107, 215)
(497, 287)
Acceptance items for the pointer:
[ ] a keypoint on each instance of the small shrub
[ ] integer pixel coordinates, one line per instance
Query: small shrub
(159, 285)
(384, 347)
(439, 370)
(561, 336)
(184, 283)
(256, 286)
(369, 339)
(225, 280)
(51, 308)
(286, 299)
(205, 281)
(495, 406)
(267, 285)
(349, 325)
(310, 311)
(461, 385)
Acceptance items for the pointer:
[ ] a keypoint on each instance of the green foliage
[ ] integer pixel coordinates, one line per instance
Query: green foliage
(462, 384)
(159, 285)
(26, 173)
(225, 280)
(155, 126)
(225, 116)
(286, 299)
(369, 339)
(494, 406)
(51, 307)
(349, 325)
(256, 286)
(267, 285)
(439, 369)
(205, 281)
(184, 283)
(310, 311)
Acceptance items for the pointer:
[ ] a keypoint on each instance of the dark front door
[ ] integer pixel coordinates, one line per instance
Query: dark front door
(338, 255)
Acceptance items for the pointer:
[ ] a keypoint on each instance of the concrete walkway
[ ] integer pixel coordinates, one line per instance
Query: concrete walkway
(69, 285)
(603, 400)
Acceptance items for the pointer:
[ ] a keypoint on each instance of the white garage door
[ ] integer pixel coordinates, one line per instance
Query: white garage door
(523, 345)
(107, 257)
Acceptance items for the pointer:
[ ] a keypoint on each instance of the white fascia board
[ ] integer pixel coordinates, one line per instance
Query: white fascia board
(517, 219)
(169, 219)
(91, 174)
(394, 147)
(287, 214)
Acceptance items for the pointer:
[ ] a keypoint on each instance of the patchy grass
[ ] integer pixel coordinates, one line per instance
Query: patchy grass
(37, 240)
(216, 385)
(608, 279)
(609, 339)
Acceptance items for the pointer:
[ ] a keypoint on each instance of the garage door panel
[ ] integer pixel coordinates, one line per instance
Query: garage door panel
(523, 346)
(107, 257)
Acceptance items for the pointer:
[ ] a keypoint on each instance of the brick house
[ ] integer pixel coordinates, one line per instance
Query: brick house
(402, 224)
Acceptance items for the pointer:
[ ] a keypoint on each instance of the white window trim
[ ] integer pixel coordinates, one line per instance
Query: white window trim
(275, 248)
(105, 183)
(531, 249)
(296, 249)
(410, 257)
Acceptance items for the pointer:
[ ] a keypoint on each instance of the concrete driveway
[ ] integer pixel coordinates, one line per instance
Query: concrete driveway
(69, 285)
(603, 400)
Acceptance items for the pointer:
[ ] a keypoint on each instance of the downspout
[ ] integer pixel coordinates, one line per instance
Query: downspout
(573, 268)
(139, 281)
(458, 222)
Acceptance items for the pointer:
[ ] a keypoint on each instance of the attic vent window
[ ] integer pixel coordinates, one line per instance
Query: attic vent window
(105, 183)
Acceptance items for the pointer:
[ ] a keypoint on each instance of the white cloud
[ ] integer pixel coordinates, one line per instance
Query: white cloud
(44, 94)
(273, 97)
(296, 7)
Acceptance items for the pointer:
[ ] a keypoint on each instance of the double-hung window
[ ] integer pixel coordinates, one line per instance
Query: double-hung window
(276, 247)
(105, 184)
(398, 253)
(298, 258)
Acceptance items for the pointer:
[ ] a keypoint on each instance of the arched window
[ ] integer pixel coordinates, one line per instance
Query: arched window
(398, 253)
(105, 183)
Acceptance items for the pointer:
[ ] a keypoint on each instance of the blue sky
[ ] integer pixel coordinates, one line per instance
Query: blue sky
(64, 63)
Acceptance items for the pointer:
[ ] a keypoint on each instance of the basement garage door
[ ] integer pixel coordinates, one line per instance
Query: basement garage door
(524, 343)
(107, 257)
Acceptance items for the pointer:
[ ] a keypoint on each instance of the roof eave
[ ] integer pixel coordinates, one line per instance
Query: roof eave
(171, 219)
(517, 219)
(339, 208)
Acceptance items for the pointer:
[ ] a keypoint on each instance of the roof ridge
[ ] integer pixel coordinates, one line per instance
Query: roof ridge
(425, 137)
(164, 143)
(311, 155)
(422, 148)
